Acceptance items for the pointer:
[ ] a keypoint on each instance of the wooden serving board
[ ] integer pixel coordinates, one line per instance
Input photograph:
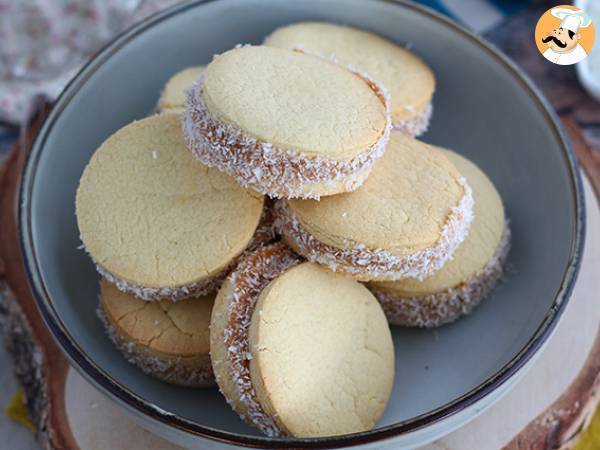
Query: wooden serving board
(547, 409)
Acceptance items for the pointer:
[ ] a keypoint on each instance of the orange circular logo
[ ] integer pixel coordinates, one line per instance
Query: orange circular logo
(564, 35)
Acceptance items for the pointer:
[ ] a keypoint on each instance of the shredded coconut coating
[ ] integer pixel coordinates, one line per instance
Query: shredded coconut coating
(379, 264)
(434, 310)
(417, 125)
(172, 293)
(169, 370)
(250, 277)
(264, 233)
(266, 168)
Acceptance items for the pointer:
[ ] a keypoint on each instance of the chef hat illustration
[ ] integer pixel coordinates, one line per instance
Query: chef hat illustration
(572, 19)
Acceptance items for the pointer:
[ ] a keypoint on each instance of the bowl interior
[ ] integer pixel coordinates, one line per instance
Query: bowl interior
(480, 110)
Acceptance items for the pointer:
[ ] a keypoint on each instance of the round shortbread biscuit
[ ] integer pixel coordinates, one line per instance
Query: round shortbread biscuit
(288, 351)
(173, 95)
(409, 81)
(472, 272)
(169, 341)
(285, 123)
(405, 221)
(322, 356)
(157, 223)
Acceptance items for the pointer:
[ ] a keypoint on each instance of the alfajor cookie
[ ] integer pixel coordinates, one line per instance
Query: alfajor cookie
(468, 277)
(405, 221)
(409, 81)
(156, 222)
(169, 341)
(172, 98)
(300, 351)
(285, 123)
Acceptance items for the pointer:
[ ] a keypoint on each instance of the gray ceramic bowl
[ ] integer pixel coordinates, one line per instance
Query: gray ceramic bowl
(484, 108)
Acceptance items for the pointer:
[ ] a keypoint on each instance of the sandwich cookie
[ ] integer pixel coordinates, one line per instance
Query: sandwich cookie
(300, 351)
(409, 81)
(173, 96)
(285, 123)
(465, 280)
(169, 341)
(156, 222)
(405, 221)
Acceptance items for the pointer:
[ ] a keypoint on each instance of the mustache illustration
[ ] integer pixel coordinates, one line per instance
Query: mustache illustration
(556, 41)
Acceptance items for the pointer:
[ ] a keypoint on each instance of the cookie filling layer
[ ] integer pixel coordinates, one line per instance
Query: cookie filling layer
(417, 125)
(433, 310)
(251, 276)
(263, 234)
(175, 370)
(380, 264)
(270, 170)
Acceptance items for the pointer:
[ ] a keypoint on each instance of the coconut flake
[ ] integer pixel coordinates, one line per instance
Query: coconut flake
(380, 264)
(433, 310)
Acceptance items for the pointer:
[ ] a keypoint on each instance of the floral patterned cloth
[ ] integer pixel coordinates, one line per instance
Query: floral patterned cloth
(44, 42)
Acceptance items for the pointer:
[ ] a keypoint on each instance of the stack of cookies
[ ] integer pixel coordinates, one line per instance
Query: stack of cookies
(277, 214)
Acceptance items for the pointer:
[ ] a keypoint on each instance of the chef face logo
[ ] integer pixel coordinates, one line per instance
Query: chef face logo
(561, 40)
(564, 35)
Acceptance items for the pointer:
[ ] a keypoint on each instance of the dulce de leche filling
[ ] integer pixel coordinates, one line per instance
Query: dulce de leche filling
(249, 279)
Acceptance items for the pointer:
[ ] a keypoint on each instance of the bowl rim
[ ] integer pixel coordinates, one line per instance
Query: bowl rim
(85, 364)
